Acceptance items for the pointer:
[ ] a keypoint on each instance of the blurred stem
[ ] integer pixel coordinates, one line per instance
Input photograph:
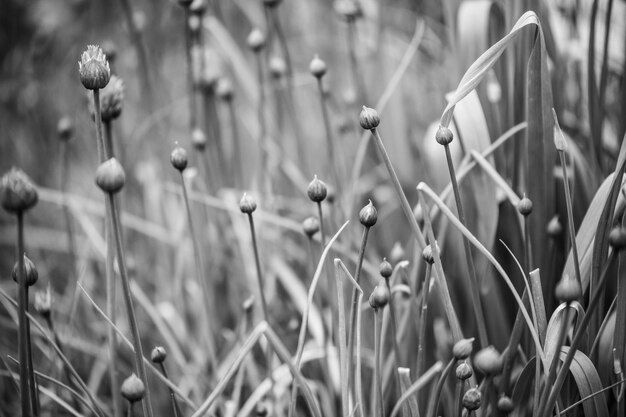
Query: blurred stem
(190, 87)
(473, 284)
(174, 401)
(392, 316)
(132, 319)
(357, 81)
(109, 148)
(265, 170)
(64, 168)
(238, 168)
(422, 321)
(440, 383)
(25, 377)
(378, 324)
(32, 384)
(460, 384)
(570, 217)
(98, 119)
(330, 146)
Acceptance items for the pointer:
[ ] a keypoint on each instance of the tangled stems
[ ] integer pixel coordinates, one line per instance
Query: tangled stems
(121, 260)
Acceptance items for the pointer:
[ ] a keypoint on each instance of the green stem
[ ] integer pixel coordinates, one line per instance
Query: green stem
(173, 400)
(190, 87)
(378, 324)
(473, 284)
(32, 384)
(238, 166)
(459, 397)
(22, 339)
(330, 146)
(442, 379)
(262, 126)
(357, 81)
(98, 117)
(132, 319)
(570, 218)
(422, 321)
(64, 168)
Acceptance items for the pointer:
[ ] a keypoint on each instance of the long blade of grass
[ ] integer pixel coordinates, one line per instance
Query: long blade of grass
(405, 385)
(417, 385)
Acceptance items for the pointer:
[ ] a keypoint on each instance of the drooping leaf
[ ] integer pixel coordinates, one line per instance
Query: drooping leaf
(588, 382)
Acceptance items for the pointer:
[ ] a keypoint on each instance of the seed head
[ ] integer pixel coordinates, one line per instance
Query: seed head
(43, 302)
(617, 237)
(368, 216)
(247, 204)
(224, 89)
(369, 118)
(278, 67)
(93, 68)
(525, 206)
(158, 354)
(379, 297)
(110, 176)
(488, 361)
(349, 10)
(472, 399)
(567, 289)
(463, 348)
(65, 128)
(133, 389)
(464, 371)
(317, 67)
(30, 272)
(310, 226)
(385, 269)
(256, 40)
(554, 228)
(317, 190)
(111, 99)
(178, 158)
(17, 191)
(505, 404)
(198, 139)
(444, 136)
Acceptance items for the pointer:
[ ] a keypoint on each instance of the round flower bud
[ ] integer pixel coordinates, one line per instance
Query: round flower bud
(133, 389)
(110, 176)
(247, 204)
(65, 128)
(158, 354)
(93, 68)
(488, 361)
(554, 228)
(330, 195)
(567, 289)
(17, 191)
(463, 348)
(310, 226)
(260, 410)
(43, 302)
(111, 99)
(385, 269)
(505, 404)
(464, 371)
(30, 272)
(110, 50)
(348, 9)
(317, 190)
(256, 40)
(379, 297)
(525, 206)
(194, 23)
(277, 67)
(427, 253)
(444, 136)
(317, 67)
(198, 139)
(472, 399)
(369, 118)
(178, 158)
(617, 237)
(368, 216)
(224, 89)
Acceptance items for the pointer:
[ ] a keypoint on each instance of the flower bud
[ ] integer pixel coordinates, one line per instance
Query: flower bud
(110, 176)
(368, 216)
(158, 354)
(369, 118)
(43, 303)
(30, 272)
(256, 40)
(194, 23)
(617, 237)
(349, 10)
(385, 269)
(198, 139)
(65, 128)
(472, 399)
(178, 158)
(379, 297)
(317, 190)
(111, 99)
(505, 404)
(444, 136)
(93, 68)
(463, 348)
(488, 360)
(317, 67)
(464, 371)
(133, 389)
(427, 253)
(525, 206)
(247, 204)
(277, 67)
(418, 213)
(567, 289)
(17, 191)
(224, 89)
(554, 228)
(310, 226)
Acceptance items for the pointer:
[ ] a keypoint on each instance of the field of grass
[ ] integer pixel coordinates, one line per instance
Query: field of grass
(312, 208)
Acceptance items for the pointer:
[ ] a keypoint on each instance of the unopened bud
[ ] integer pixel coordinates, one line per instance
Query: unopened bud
(617, 237)
(133, 389)
(65, 128)
(505, 404)
(525, 206)
(317, 67)
(93, 68)
(567, 289)
(317, 190)
(368, 216)
(110, 176)
(472, 399)
(30, 272)
(488, 360)
(256, 40)
(379, 297)
(17, 191)
(444, 136)
(369, 118)
(310, 226)
(463, 348)
(247, 204)
(464, 371)
(385, 269)
(158, 354)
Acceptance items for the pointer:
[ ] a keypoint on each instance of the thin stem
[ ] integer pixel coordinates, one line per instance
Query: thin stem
(378, 324)
(262, 125)
(64, 168)
(357, 81)
(129, 411)
(121, 262)
(98, 117)
(238, 166)
(22, 336)
(475, 294)
(422, 321)
(173, 400)
(459, 397)
(570, 218)
(32, 384)
(190, 87)
(394, 323)
(330, 146)
(439, 387)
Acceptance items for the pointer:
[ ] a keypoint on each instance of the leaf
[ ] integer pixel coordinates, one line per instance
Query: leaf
(552, 332)
(588, 382)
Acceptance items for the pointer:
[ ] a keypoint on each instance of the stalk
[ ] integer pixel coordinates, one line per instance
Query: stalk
(422, 320)
(357, 81)
(460, 385)
(570, 217)
(25, 376)
(238, 167)
(98, 117)
(121, 261)
(330, 146)
(262, 125)
(64, 168)
(392, 316)
(378, 324)
(173, 400)
(32, 384)
(190, 88)
(439, 387)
